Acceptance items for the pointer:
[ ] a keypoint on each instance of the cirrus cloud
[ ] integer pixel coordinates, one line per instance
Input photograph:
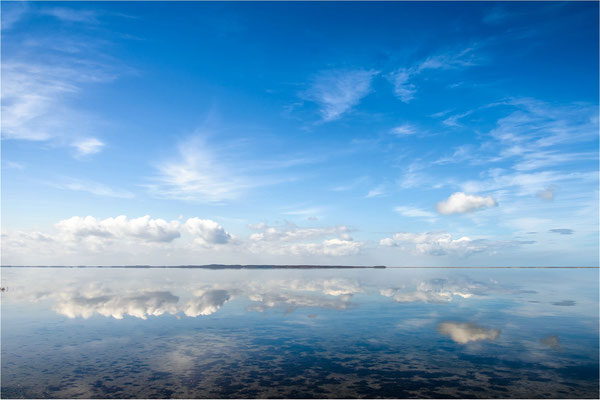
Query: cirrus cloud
(337, 91)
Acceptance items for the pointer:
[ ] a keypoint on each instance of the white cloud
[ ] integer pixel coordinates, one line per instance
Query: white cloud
(305, 212)
(70, 15)
(526, 184)
(452, 120)
(376, 192)
(459, 203)
(404, 129)
(291, 239)
(198, 175)
(207, 232)
(39, 97)
(12, 165)
(337, 91)
(142, 228)
(535, 125)
(434, 243)
(88, 146)
(403, 89)
(291, 232)
(414, 212)
(12, 14)
(96, 188)
(328, 247)
(464, 333)
(402, 78)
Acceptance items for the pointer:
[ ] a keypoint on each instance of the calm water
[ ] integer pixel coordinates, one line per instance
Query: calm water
(306, 333)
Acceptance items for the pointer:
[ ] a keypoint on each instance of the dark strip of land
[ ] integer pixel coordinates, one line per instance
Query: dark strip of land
(209, 266)
(239, 266)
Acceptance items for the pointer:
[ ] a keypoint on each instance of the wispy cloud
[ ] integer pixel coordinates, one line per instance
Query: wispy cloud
(42, 82)
(337, 91)
(414, 212)
(198, 174)
(376, 192)
(452, 120)
(404, 129)
(402, 78)
(12, 165)
(352, 185)
(71, 15)
(87, 146)
(313, 211)
(92, 187)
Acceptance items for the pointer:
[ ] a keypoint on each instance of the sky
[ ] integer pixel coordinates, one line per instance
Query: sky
(394, 133)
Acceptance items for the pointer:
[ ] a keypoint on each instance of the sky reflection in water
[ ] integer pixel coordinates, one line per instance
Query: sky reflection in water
(306, 333)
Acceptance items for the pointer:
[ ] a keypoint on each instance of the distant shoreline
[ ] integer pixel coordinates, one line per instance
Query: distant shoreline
(209, 266)
(236, 266)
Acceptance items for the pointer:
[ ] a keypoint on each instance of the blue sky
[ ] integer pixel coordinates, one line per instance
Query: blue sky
(333, 133)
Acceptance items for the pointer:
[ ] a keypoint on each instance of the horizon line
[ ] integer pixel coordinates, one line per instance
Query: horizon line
(292, 266)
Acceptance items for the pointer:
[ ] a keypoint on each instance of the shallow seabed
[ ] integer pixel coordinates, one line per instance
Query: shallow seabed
(195, 333)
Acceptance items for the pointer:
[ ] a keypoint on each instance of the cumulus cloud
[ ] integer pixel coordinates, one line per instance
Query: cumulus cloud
(144, 228)
(464, 333)
(459, 203)
(290, 239)
(206, 231)
(337, 91)
(207, 303)
(434, 243)
(89, 238)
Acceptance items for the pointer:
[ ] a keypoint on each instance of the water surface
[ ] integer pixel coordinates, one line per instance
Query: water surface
(189, 333)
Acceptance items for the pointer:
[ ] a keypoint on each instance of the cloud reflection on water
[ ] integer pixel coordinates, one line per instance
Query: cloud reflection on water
(463, 333)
